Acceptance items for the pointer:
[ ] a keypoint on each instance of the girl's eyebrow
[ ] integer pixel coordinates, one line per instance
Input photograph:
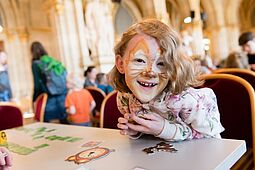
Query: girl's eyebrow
(139, 52)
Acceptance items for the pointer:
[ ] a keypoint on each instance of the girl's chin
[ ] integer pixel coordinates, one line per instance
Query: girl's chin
(145, 100)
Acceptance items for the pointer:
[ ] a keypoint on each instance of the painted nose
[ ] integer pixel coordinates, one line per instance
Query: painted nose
(150, 74)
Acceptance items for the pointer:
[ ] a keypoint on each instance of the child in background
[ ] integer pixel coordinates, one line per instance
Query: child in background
(79, 102)
(102, 83)
(197, 59)
(155, 81)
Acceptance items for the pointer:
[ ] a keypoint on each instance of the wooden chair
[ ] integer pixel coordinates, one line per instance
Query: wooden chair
(98, 96)
(236, 102)
(10, 116)
(246, 74)
(110, 112)
(39, 107)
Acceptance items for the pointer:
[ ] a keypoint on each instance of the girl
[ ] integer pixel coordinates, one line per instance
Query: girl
(155, 81)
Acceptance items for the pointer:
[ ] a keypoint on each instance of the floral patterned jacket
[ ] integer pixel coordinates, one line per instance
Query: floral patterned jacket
(192, 114)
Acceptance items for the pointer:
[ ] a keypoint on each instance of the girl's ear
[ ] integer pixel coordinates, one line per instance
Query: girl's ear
(119, 64)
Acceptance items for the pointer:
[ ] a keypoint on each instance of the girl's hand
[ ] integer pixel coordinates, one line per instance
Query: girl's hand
(5, 159)
(123, 125)
(150, 123)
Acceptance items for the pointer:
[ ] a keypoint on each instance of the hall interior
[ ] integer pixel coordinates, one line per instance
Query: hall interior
(80, 33)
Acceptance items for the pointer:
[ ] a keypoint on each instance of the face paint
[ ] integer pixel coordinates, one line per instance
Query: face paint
(144, 67)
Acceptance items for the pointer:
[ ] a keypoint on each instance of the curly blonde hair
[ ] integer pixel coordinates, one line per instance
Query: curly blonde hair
(181, 70)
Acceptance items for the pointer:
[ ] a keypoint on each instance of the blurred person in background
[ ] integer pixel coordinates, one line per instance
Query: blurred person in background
(236, 60)
(102, 83)
(247, 42)
(90, 77)
(79, 102)
(42, 67)
(5, 88)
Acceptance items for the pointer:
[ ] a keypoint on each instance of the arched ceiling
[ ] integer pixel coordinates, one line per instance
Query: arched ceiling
(22, 15)
(177, 10)
(8, 16)
(19, 14)
(209, 9)
(231, 11)
(145, 7)
(246, 11)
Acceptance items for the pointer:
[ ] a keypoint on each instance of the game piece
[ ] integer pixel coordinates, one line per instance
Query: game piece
(160, 147)
(89, 155)
(3, 139)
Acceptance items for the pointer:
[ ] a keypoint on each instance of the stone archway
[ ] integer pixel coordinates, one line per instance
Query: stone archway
(124, 15)
(246, 18)
(177, 11)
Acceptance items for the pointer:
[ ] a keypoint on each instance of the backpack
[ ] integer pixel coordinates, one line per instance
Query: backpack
(55, 75)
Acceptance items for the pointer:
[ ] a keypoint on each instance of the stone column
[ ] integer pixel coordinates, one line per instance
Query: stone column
(25, 73)
(19, 63)
(81, 31)
(161, 11)
(68, 23)
(56, 9)
(232, 38)
(12, 43)
(219, 42)
(197, 32)
(100, 27)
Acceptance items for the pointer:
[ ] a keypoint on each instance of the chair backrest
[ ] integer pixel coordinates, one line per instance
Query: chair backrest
(235, 98)
(246, 74)
(39, 107)
(10, 116)
(98, 96)
(110, 112)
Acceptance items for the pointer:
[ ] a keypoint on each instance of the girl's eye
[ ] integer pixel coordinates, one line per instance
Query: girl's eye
(161, 64)
(139, 60)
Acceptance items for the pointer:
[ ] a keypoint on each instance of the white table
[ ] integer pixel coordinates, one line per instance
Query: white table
(201, 154)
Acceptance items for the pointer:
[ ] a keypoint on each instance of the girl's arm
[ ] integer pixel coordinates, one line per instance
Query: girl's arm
(198, 117)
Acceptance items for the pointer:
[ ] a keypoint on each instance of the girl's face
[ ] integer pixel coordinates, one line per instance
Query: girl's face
(144, 67)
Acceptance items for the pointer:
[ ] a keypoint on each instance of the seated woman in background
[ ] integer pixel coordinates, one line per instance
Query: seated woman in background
(79, 102)
(102, 83)
(90, 77)
(236, 60)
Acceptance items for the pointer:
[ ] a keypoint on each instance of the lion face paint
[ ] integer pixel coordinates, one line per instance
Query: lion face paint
(144, 67)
